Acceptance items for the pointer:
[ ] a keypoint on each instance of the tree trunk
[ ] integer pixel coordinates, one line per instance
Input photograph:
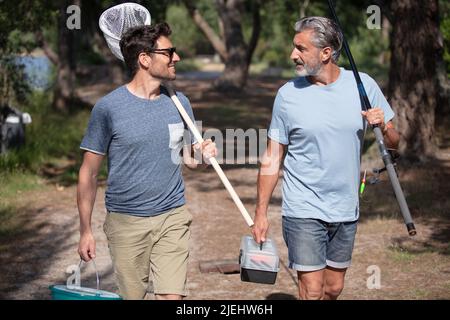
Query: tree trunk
(413, 87)
(239, 53)
(234, 76)
(116, 68)
(232, 48)
(215, 40)
(93, 35)
(64, 87)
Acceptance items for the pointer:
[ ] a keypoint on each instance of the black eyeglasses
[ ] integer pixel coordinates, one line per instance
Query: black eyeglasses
(168, 52)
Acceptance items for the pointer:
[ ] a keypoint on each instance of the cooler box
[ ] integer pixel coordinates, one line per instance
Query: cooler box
(257, 264)
(63, 292)
(74, 291)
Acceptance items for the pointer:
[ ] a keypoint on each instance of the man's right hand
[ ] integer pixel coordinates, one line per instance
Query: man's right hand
(86, 247)
(260, 227)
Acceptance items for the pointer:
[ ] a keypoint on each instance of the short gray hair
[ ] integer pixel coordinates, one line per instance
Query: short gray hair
(326, 33)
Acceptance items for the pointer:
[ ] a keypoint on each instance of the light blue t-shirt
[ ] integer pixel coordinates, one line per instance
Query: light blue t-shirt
(142, 139)
(323, 129)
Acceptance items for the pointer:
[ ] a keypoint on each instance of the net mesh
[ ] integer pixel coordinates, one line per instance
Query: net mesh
(116, 20)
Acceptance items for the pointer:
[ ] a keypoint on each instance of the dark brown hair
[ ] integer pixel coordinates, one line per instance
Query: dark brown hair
(141, 39)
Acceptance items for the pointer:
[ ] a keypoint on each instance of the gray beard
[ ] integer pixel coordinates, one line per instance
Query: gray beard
(308, 71)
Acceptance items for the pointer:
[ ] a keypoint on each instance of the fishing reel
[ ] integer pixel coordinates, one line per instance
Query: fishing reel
(377, 171)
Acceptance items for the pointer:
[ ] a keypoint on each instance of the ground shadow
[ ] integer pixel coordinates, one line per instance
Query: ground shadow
(280, 296)
(426, 188)
(29, 249)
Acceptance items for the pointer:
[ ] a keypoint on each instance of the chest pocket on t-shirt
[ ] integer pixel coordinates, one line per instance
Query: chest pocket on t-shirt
(176, 131)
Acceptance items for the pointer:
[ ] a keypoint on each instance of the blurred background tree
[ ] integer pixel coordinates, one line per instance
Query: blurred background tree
(16, 39)
(416, 48)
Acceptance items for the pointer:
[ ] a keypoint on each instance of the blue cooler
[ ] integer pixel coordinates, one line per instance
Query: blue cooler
(76, 292)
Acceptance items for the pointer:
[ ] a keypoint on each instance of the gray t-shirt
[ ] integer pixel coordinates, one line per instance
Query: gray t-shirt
(142, 139)
(323, 129)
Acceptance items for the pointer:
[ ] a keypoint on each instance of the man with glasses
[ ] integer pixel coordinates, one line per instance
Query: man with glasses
(139, 129)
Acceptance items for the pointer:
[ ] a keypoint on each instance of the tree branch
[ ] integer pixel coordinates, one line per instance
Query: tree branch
(303, 6)
(217, 43)
(255, 31)
(51, 55)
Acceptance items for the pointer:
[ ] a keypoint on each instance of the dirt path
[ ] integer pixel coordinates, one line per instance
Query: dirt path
(47, 246)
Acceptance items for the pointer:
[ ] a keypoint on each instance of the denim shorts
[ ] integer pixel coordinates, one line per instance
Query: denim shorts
(314, 244)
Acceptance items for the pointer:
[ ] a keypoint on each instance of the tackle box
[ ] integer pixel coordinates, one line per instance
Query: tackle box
(258, 263)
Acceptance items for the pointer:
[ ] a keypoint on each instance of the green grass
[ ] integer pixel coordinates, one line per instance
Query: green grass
(447, 286)
(419, 294)
(9, 224)
(51, 139)
(17, 183)
(12, 192)
(50, 135)
(400, 255)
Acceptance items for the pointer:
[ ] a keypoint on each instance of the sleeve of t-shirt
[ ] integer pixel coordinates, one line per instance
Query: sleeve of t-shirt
(279, 128)
(377, 98)
(98, 133)
(187, 106)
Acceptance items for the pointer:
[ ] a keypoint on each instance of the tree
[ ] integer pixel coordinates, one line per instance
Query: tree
(92, 37)
(14, 39)
(64, 87)
(443, 64)
(63, 57)
(413, 86)
(230, 45)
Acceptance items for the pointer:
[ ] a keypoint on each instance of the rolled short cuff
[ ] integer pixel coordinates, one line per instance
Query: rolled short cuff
(304, 268)
(180, 292)
(339, 265)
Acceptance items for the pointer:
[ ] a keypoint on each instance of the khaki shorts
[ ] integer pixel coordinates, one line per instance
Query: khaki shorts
(140, 245)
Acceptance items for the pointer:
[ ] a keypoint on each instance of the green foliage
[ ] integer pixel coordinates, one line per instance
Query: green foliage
(445, 29)
(22, 15)
(185, 35)
(369, 49)
(12, 80)
(49, 135)
(188, 39)
(18, 21)
(277, 32)
(90, 57)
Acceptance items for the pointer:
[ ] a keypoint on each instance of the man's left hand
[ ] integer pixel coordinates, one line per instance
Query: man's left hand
(374, 116)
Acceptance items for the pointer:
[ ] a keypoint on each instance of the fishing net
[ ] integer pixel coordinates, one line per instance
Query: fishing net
(116, 20)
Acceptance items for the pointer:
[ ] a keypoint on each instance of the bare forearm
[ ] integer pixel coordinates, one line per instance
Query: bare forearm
(268, 175)
(193, 163)
(265, 186)
(86, 193)
(391, 138)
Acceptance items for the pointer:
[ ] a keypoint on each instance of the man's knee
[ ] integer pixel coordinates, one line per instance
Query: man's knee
(334, 290)
(313, 293)
(311, 290)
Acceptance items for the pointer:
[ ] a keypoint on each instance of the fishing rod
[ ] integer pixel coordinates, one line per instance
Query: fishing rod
(386, 156)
